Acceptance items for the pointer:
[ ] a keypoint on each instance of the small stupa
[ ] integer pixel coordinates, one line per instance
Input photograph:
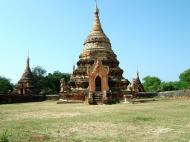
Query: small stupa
(136, 85)
(26, 85)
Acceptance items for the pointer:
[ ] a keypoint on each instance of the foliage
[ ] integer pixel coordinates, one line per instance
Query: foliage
(53, 81)
(151, 84)
(49, 84)
(169, 86)
(39, 76)
(5, 85)
(185, 76)
(185, 79)
(39, 71)
(183, 83)
(4, 137)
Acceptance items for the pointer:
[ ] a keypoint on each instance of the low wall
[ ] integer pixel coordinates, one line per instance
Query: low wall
(139, 94)
(79, 95)
(52, 97)
(147, 94)
(178, 93)
(8, 99)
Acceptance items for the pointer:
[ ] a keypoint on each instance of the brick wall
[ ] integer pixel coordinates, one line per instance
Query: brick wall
(179, 93)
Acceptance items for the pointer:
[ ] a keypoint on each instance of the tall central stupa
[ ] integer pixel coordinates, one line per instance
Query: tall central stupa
(98, 72)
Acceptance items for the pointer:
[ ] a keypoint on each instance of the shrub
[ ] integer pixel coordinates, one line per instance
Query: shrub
(4, 137)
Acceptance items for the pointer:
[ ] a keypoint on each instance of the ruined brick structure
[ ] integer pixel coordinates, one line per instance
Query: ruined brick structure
(26, 85)
(136, 85)
(98, 71)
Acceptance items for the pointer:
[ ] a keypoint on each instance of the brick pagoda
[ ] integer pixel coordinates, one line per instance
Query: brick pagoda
(98, 72)
(26, 85)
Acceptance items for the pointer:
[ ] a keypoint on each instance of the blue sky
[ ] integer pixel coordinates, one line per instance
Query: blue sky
(151, 35)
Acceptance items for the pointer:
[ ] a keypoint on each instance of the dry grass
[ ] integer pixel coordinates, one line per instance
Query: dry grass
(160, 121)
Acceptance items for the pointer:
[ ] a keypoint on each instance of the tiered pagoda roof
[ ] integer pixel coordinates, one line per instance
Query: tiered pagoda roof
(97, 46)
(27, 85)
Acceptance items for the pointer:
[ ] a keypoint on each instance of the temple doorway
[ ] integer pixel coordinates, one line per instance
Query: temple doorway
(98, 83)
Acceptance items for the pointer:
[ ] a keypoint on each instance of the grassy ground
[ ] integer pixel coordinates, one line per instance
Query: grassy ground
(158, 121)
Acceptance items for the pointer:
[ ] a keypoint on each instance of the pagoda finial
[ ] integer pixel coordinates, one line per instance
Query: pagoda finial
(137, 74)
(96, 24)
(28, 58)
(96, 8)
(73, 67)
(27, 73)
(97, 33)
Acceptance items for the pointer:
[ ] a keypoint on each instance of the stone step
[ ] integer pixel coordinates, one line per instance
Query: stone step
(98, 98)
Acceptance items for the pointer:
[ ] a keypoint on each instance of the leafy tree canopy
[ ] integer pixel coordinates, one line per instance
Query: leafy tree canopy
(39, 71)
(5, 85)
(151, 83)
(54, 81)
(169, 86)
(49, 84)
(39, 76)
(185, 76)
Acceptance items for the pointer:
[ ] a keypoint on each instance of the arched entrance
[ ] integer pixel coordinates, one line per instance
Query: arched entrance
(98, 78)
(98, 83)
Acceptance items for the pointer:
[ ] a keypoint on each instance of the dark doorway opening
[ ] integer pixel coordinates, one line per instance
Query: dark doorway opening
(98, 83)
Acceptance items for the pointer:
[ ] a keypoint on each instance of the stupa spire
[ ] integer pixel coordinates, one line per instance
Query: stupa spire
(28, 60)
(27, 73)
(28, 63)
(96, 24)
(137, 74)
(96, 8)
(97, 34)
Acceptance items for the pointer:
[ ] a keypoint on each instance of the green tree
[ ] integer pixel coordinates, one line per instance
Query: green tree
(185, 79)
(54, 81)
(181, 85)
(39, 75)
(169, 86)
(151, 84)
(39, 71)
(48, 84)
(185, 76)
(5, 85)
